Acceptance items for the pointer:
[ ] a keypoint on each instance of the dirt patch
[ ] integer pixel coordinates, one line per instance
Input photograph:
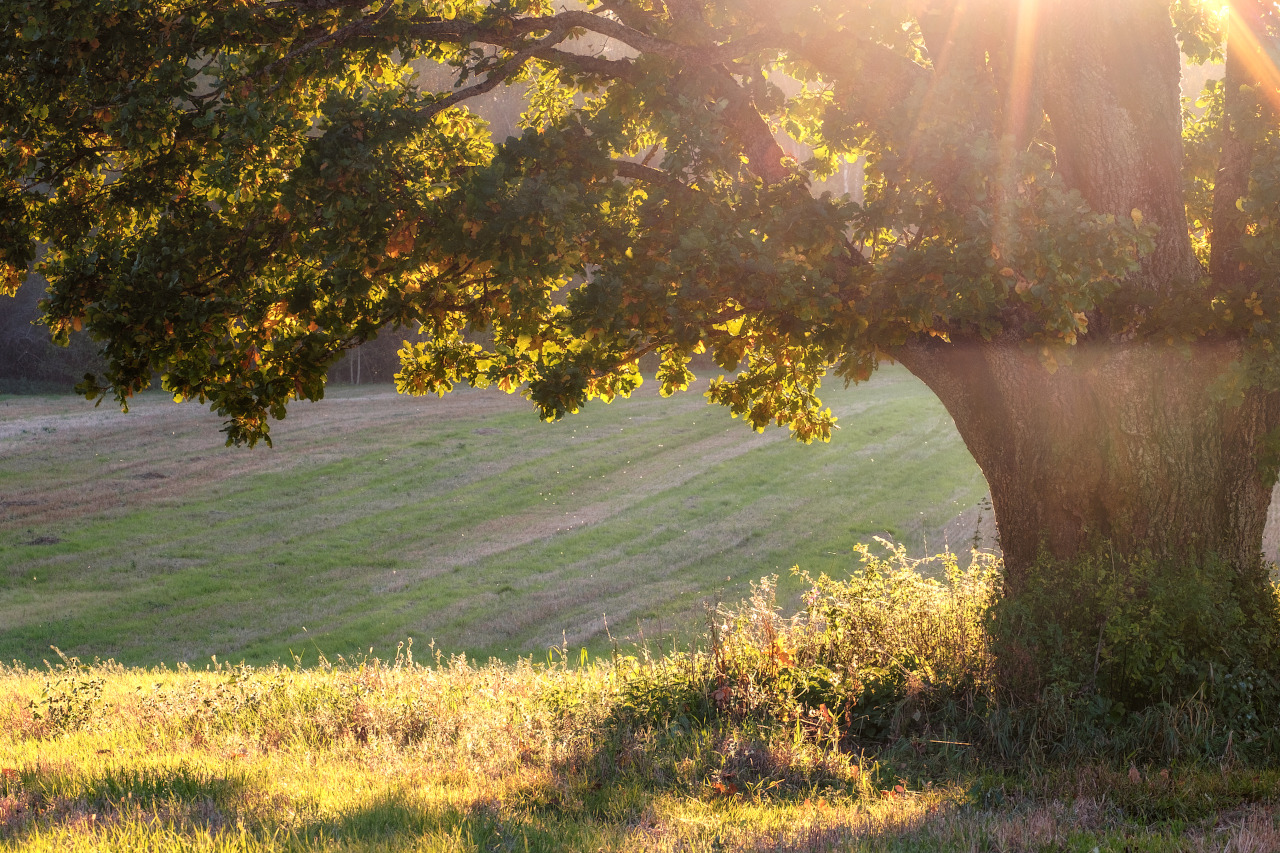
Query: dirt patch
(973, 528)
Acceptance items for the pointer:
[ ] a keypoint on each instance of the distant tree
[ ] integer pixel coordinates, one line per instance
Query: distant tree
(233, 193)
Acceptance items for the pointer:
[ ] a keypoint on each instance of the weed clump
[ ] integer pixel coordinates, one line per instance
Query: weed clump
(1106, 661)
(890, 653)
(69, 698)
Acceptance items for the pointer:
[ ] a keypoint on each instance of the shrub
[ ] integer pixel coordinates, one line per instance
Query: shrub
(70, 696)
(1155, 657)
(1136, 631)
(1136, 659)
(871, 659)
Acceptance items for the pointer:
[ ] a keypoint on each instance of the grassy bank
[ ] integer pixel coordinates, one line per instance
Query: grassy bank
(876, 720)
(376, 517)
(452, 757)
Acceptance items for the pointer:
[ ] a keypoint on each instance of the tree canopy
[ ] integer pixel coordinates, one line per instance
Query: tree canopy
(233, 193)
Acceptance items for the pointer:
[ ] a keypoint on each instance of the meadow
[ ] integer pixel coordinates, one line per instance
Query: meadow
(461, 520)
(255, 686)
(713, 751)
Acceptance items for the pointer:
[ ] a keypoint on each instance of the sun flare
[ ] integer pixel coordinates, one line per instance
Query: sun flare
(1246, 40)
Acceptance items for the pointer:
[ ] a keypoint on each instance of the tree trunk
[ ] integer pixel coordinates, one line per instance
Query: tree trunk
(1150, 448)
(1142, 446)
(1162, 455)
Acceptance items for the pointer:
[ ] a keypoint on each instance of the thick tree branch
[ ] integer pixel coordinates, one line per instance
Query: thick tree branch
(314, 5)
(641, 172)
(1111, 80)
(598, 66)
(508, 30)
(764, 154)
(693, 55)
(871, 80)
(336, 36)
(628, 13)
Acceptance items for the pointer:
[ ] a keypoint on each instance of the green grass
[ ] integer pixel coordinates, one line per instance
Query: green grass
(872, 722)
(454, 757)
(464, 520)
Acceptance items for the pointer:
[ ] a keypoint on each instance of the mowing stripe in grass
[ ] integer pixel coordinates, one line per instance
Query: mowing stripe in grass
(463, 520)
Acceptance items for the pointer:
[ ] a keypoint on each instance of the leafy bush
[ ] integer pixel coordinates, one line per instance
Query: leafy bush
(1111, 659)
(1151, 657)
(870, 660)
(1137, 631)
(898, 633)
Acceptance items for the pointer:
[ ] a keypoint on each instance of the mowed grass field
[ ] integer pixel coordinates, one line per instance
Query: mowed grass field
(462, 520)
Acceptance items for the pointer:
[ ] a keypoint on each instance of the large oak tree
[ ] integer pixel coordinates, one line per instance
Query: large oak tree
(1079, 262)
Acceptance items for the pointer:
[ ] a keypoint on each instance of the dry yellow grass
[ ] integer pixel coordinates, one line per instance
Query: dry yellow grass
(450, 756)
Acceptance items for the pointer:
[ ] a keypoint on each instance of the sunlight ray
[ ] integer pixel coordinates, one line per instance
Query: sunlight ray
(945, 55)
(1022, 74)
(1244, 40)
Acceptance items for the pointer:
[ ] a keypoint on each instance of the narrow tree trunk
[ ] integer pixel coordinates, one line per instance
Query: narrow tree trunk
(1145, 447)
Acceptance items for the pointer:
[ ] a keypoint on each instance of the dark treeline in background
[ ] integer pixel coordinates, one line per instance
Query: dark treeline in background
(29, 362)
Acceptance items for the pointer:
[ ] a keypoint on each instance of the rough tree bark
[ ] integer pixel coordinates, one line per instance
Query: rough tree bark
(1130, 443)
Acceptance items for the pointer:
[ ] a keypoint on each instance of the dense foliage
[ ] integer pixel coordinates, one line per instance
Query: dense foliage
(233, 194)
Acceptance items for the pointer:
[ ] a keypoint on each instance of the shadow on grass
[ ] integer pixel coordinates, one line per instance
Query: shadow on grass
(148, 787)
(484, 826)
(705, 789)
(183, 794)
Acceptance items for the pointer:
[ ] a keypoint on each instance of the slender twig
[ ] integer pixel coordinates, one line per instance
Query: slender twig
(336, 35)
(498, 75)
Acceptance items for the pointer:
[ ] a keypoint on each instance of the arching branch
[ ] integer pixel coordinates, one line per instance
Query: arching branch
(508, 30)
(640, 172)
